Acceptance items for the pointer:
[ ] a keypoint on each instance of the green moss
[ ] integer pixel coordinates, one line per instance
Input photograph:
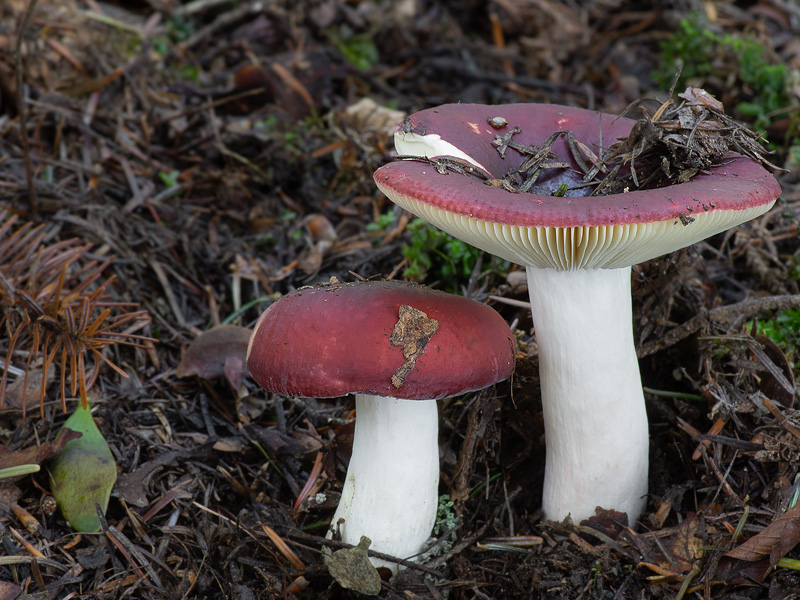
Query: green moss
(699, 52)
(690, 49)
(357, 48)
(433, 252)
(783, 328)
(434, 255)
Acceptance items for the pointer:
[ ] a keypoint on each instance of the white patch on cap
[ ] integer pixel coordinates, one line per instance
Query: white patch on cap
(430, 146)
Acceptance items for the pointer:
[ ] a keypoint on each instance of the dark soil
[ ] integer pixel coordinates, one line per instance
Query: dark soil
(208, 148)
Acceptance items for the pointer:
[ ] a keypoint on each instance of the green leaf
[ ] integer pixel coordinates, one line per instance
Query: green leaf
(19, 470)
(84, 473)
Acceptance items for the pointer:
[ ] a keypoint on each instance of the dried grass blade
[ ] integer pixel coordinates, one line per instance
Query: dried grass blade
(312, 479)
(287, 552)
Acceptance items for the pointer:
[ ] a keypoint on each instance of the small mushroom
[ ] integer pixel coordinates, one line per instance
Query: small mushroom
(578, 251)
(398, 347)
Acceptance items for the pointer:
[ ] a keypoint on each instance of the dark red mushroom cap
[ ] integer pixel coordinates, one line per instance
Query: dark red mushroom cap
(542, 230)
(385, 338)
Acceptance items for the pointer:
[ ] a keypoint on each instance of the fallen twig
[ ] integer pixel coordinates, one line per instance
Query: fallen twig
(725, 316)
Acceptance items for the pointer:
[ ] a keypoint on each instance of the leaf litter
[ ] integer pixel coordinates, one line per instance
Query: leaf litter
(679, 141)
(208, 195)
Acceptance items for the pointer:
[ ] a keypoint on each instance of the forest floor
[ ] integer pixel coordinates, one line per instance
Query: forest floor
(221, 153)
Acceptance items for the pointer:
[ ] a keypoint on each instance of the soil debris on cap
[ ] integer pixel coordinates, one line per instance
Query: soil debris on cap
(678, 142)
(412, 332)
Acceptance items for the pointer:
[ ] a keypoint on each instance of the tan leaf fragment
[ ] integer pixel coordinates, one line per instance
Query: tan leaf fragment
(207, 355)
(774, 541)
(352, 570)
(412, 332)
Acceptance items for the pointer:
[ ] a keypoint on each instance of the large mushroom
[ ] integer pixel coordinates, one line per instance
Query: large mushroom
(398, 347)
(578, 251)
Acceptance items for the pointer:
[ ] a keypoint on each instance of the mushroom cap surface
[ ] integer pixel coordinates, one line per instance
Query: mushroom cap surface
(542, 230)
(345, 338)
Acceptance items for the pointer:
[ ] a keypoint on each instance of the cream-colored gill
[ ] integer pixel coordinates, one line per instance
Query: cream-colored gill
(583, 247)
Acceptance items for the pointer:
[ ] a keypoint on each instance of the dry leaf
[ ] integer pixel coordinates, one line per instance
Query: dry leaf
(763, 551)
(26, 390)
(320, 228)
(273, 441)
(366, 114)
(310, 260)
(352, 570)
(132, 487)
(230, 444)
(36, 454)
(677, 550)
(9, 493)
(609, 522)
(9, 591)
(206, 355)
(774, 541)
(684, 544)
(770, 385)
(698, 96)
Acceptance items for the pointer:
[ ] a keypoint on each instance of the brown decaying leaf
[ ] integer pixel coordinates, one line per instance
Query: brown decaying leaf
(207, 354)
(131, 487)
(684, 544)
(608, 521)
(25, 390)
(9, 492)
(775, 541)
(274, 442)
(772, 385)
(741, 572)
(676, 550)
(320, 228)
(762, 552)
(36, 454)
(343, 445)
(324, 236)
(367, 115)
(9, 591)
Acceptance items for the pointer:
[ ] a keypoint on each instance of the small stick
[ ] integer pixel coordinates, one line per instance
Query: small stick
(776, 412)
(723, 315)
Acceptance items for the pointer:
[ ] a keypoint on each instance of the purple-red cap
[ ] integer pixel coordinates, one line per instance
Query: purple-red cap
(385, 338)
(543, 230)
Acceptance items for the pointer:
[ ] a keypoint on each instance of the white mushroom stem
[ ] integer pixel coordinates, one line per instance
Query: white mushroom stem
(594, 413)
(391, 491)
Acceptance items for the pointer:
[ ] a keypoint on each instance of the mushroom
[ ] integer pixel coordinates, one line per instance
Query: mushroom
(398, 347)
(578, 251)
